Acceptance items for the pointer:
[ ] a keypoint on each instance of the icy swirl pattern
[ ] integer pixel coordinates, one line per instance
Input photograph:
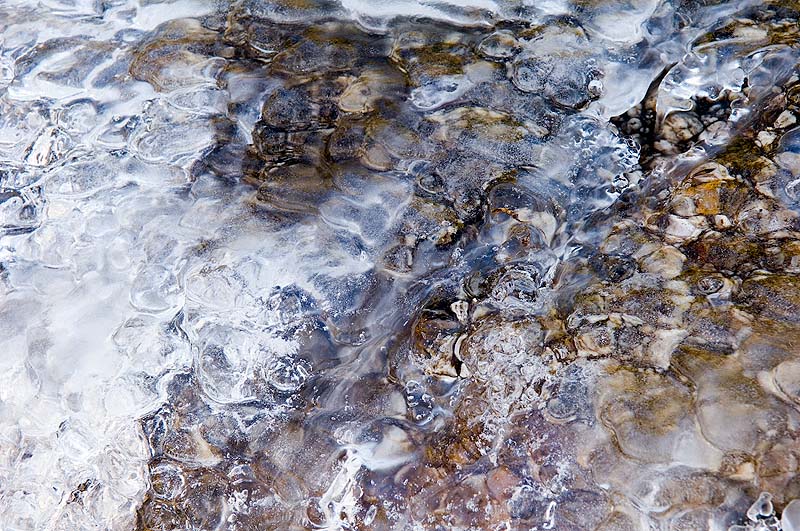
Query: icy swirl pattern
(400, 265)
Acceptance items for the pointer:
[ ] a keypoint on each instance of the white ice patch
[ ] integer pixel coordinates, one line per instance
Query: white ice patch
(101, 245)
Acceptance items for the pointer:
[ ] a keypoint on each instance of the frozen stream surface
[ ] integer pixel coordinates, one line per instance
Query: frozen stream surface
(400, 265)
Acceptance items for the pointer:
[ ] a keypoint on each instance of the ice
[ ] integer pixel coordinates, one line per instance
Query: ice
(155, 289)
(89, 296)
(790, 519)
(761, 508)
(167, 479)
(20, 210)
(287, 374)
(440, 91)
(398, 265)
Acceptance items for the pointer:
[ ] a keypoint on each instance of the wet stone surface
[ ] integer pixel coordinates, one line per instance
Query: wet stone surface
(287, 265)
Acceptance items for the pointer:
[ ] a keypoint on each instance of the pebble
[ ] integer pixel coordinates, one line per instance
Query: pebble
(722, 222)
(785, 119)
(766, 138)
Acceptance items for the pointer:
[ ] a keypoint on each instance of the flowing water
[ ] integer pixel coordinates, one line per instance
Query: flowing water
(399, 265)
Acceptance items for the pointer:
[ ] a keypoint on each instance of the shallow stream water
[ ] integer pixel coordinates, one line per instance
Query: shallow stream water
(399, 265)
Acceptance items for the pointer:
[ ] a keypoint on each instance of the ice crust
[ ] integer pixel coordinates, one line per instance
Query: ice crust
(183, 351)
